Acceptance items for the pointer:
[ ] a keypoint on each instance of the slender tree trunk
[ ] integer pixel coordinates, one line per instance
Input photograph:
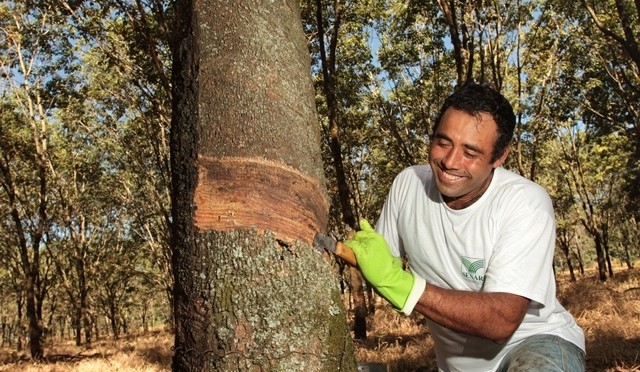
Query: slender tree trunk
(87, 325)
(329, 88)
(461, 34)
(579, 256)
(627, 255)
(29, 253)
(143, 318)
(572, 274)
(564, 242)
(77, 324)
(248, 196)
(566, 250)
(95, 333)
(113, 319)
(36, 346)
(608, 257)
(602, 263)
(329, 76)
(6, 334)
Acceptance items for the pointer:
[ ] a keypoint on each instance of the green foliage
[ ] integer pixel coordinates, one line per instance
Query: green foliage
(85, 92)
(560, 69)
(90, 108)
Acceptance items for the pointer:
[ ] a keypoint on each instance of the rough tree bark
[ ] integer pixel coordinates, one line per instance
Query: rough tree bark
(248, 195)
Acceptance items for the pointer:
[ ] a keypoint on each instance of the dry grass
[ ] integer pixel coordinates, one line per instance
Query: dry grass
(399, 342)
(608, 312)
(149, 353)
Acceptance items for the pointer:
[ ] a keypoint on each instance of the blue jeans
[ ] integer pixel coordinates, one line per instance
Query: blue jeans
(544, 353)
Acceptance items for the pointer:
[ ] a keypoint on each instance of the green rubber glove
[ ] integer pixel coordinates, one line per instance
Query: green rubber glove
(382, 270)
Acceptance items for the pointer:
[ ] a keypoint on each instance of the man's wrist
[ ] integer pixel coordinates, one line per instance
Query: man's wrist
(417, 290)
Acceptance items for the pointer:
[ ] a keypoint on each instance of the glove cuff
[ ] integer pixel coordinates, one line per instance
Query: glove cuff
(419, 285)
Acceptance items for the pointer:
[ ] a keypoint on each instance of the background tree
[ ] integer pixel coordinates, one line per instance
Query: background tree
(26, 169)
(610, 83)
(96, 204)
(64, 100)
(338, 34)
(128, 62)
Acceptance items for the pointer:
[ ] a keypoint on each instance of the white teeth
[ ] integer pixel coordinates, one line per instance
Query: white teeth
(450, 176)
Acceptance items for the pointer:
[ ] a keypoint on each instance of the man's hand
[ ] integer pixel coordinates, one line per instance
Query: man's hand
(382, 270)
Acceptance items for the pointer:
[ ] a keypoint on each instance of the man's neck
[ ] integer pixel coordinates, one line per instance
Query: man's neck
(467, 200)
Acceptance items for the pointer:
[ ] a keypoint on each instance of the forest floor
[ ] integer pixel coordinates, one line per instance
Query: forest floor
(608, 312)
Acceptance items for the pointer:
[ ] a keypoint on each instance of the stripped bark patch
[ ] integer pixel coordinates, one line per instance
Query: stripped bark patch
(235, 193)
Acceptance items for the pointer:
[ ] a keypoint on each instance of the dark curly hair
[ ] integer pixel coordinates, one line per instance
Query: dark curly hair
(474, 99)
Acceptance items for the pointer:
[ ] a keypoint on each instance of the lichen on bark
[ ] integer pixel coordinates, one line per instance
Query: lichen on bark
(248, 194)
(276, 307)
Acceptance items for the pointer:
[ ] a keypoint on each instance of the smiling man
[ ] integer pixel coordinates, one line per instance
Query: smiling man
(479, 241)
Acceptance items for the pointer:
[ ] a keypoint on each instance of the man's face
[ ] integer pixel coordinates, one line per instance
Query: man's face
(460, 156)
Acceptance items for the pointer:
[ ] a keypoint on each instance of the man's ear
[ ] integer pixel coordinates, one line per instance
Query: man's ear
(498, 163)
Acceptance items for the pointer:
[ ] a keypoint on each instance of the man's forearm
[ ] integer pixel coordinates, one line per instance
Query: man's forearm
(494, 316)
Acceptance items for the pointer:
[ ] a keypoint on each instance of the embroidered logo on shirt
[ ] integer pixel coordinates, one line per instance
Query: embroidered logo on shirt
(472, 269)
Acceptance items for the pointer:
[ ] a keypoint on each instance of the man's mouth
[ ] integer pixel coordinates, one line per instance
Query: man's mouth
(450, 177)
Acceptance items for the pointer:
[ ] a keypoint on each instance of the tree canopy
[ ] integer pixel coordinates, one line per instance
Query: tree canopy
(84, 133)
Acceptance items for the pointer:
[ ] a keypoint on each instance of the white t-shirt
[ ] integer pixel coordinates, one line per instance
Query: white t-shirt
(504, 242)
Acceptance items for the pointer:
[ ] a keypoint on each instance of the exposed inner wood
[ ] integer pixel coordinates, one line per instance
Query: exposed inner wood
(237, 193)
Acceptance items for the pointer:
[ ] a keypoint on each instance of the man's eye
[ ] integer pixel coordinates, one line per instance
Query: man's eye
(471, 155)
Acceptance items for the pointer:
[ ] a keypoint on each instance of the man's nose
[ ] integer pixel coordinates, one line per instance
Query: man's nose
(452, 158)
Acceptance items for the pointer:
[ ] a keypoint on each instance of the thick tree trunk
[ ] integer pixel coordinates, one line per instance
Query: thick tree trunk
(248, 196)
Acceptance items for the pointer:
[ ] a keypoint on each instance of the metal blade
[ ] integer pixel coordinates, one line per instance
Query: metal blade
(323, 242)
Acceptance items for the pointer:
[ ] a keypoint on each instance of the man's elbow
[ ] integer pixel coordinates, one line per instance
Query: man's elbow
(503, 333)
(501, 338)
(508, 319)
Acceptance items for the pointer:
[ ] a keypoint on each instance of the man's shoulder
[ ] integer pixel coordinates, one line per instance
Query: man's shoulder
(509, 178)
(412, 182)
(514, 185)
(422, 172)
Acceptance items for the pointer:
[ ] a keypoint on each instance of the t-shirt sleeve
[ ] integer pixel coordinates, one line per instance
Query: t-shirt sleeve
(387, 224)
(405, 182)
(521, 262)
